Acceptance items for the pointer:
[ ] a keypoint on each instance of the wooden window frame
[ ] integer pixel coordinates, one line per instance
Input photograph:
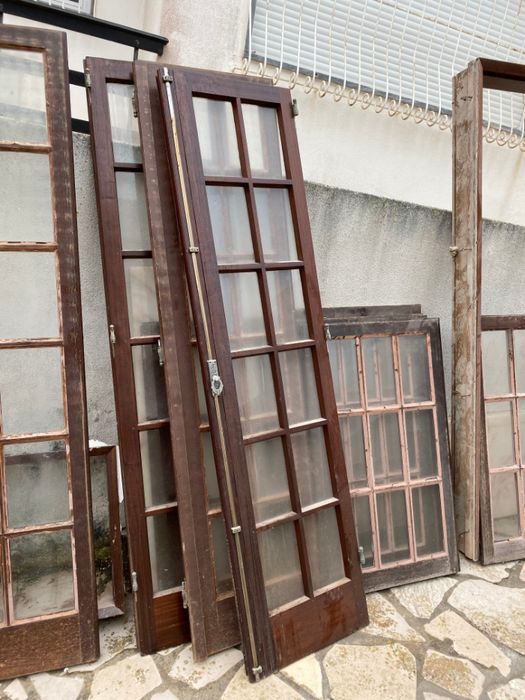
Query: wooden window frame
(67, 638)
(269, 641)
(471, 483)
(393, 322)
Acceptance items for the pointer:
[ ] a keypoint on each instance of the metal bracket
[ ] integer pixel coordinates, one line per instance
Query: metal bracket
(236, 529)
(134, 582)
(166, 77)
(327, 333)
(160, 353)
(362, 558)
(112, 338)
(134, 104)
(184, 595)
(87, 78)
(193, 249)
(295, 108)
(216, 383)
(257, 671)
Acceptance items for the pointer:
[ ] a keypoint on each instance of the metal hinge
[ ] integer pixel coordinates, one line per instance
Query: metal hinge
(327, 333)
(160, 353)
(216, 384)
(134, 582)
(362, 557)
(112, 338)
(257, 671)
(134, 104)
(295, 108)
(184, 595)
(87, 78)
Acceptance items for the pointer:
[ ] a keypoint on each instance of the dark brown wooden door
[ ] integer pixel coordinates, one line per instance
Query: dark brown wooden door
(48, 613)
(152, 514)
(255, 298)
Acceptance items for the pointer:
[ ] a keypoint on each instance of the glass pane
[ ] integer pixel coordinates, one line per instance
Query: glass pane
(421, 443)
(311, 466)
(343, 362)
(42, 574)
(428, 521)
(217, 137)
(300, 388)
(230, 225)
(354, 449)
(212, 485)
(521, 413)
(132, 211)
(2, 598)
(379, 371)
(142, 299)
(102, 531)
(519, 360)
(35, 373)
(287, 300)
(165, 551)
(386, 448)
(150, 388)
(28, 296)
(363, 525)
(22, 96)
(281, 565)
(505, 506)
(500, 434)
(243, 309)
(393, 528)
(223, 574)
(496, 370)
(275, 224)
(255, 394)
(25, 190)
(414, 368)
(324, 548)
(37, 483)
(157, 467)
(264, 141)
(268, 479)
(124, 126)
(203, 410)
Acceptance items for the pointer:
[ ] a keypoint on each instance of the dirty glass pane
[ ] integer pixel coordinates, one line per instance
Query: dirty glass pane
(255, 394)
(500, 435)
(212, 485)
(496, 370)
(414, 368)
(124, 126)
(37, 483)
(34, 373)
(150, 388)
(264, 141)
(26, 186)
(421, 443)
(242, 306)
(324, 548)
(275, 224)
(393, 528)
(343, 362)
(363, 525)
(102, 530)
(217, 137)
(287, 300)
(311, 465)
(505, 506)
(521, 414)
(142, 299)
(203, 410)
(268, 479)
(157, 467)
(354, 450)
(42, 574)
(379, 371)
(22, 96)
(519, 360)
(300, 388)
(165, 551)
(28, 295)
(428, 521)
(223, 574)
(132, 211)
(230, 225)
(386, 448)
(281, 566)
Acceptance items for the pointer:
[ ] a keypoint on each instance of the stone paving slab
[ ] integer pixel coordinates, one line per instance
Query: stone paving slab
(458, 637)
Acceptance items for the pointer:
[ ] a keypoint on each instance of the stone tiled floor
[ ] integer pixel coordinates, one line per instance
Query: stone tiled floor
(461, 636)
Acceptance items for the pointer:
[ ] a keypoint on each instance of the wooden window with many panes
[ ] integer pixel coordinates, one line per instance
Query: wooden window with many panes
(48, 616)
(389, 388)
(251, 274)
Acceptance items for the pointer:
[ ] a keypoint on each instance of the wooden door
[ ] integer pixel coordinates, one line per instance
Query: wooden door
(249, 258)
(48, 612)
(152, 515)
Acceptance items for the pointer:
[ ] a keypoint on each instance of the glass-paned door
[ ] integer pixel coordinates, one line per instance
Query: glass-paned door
(503, 372)
(389, 389)
(48, 615)
(266, 375)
